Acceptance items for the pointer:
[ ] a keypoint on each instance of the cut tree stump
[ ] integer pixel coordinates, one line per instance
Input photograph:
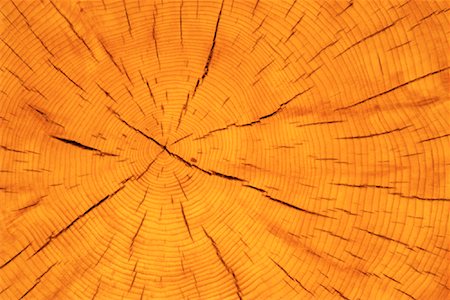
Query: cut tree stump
(224, 150)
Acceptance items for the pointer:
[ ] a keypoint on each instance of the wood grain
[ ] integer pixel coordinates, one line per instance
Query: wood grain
(220, 150)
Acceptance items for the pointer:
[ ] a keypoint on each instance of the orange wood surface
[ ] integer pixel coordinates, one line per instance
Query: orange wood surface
(202, 149)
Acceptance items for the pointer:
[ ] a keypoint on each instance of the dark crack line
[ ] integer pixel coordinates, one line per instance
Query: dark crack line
(128, 18)
(107, 94)
(150, 92)
(181, 187)
(67, 76)
(419, 198)
(290, 8)
(181, 22)
(254, 8)
(364, 186)
(185, 220)
(211, 51)
(367, 37)
(405, 293)
(391, 278)
(54, 236)
(29, 290)
(237, 179)
(180, 139)
(178, 157)
(135, 273)
(205, 69)
(11, 149)
(32, 31)
(45, 116)
(435, 138)
(332, 234)
(104, 252)
(73, 30)
(350, 4)
(29, 206)
(340, 294)
(16, 54)
(209, 172)
(292, 278)
(320, 123)
(295, 207)
(383, 237)
(137, 232)
(149, 165)
(392, 89)
(259, 120)
(37, 281)
(323, 49)
(227, 268)
(184, 109)
(111, 57)
(182, 207)
(143, 199)
(81, 146)
(14, 257)
(137, 130)
(373, 134)
(155, 40)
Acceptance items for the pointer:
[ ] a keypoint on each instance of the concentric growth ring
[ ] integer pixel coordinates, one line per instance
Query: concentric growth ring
(221, 150)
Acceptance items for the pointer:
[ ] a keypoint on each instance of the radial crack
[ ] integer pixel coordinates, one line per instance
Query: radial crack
(295, 207)
(228, 268)
(368, 37)
(340, 294)
(37, 281)
(392, 89)
(67, 77)
(209, 172)
(137, 232)
(54, 236)
(14, 257)
(280, 107)
(16, 54)
(211, 51)
(185, 220)
(79, 145)
(73, 30)
(372, 134)
(383, 237)
(292, 278)
(128, 18)
(137, 130)
(205, 69)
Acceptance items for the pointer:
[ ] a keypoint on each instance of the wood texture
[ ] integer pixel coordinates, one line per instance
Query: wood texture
(223, 150)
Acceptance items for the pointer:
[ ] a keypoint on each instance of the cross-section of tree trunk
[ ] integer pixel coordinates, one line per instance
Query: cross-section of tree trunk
(231, 149)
